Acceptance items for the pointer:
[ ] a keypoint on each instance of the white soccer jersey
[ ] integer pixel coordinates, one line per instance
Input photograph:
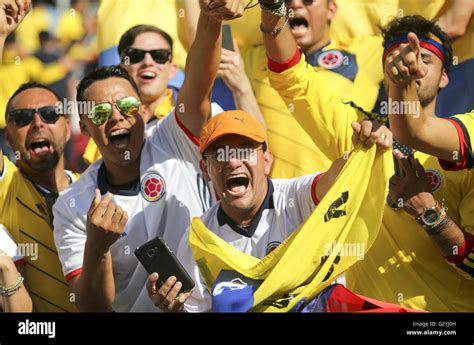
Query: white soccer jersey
(170, 192)
(288, 203)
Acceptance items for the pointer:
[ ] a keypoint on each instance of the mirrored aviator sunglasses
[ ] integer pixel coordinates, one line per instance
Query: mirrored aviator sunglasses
(100, 113)
(133, 55)
(23, 117)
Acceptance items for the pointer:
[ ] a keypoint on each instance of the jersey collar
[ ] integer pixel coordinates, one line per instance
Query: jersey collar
(128, 189)
(248, 231)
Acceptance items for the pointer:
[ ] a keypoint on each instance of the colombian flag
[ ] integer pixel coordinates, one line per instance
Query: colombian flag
(293, 274)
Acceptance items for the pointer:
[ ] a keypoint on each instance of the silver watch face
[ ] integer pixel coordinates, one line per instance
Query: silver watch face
(430, 217)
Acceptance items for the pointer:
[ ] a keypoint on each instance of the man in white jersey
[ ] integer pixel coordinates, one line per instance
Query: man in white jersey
(255, 214)
(153, 183)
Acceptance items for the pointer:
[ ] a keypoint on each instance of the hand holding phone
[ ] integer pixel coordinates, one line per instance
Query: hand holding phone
(169, 285)
(408, 153)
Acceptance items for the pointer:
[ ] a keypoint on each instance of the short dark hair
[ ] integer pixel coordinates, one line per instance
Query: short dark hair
(103, 73)
(129, 36)
(24, 87)
(422, 27)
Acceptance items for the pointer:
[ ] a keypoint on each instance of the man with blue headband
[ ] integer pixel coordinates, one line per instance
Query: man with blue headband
(413, 261)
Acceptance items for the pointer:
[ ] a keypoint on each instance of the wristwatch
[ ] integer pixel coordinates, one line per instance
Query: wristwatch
(431, 216)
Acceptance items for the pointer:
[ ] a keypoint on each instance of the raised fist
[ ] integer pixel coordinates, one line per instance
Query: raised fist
(222, 9)
(12, 13)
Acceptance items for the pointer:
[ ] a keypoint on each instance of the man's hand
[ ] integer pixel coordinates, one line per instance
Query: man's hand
(105, 223)
(405, 63)
(413, 190)
(231, 70)
(370, 133)
(166, 297)
(222, 9)
(12, 13)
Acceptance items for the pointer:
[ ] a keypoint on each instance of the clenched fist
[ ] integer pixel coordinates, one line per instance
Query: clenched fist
(105, 222)
(222, 9)
(12, 13)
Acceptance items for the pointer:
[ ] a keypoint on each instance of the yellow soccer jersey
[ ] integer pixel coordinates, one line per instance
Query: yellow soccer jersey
(92, 153)
(24, 212)
(403, 266)
(370, 14)
(467, 122)
(294, 151)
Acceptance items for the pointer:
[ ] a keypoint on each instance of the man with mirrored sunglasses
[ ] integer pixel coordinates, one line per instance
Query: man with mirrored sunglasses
(145, 185)
(146, 53)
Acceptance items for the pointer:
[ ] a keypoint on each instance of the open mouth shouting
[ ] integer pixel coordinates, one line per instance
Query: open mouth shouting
(237, 184)
(299, 26)
(120, 137)
(147, 76)
(40, 147)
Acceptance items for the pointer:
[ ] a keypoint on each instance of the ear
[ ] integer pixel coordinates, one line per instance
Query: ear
(83, 128)
(68, 129)
(8, 137)
(332, 9)
(205, 173)
(173, 71)
(444, 80)
(268, 161)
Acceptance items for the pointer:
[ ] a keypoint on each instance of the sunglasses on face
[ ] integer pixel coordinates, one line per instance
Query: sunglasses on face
(133, 55)
(23, 117)
(127, 106)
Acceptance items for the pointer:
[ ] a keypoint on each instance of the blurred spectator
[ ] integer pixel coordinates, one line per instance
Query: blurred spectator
(71, 25)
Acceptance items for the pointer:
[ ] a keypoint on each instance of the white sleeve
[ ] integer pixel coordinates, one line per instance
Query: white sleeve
(7, 244)
(171, 135)
(298, 196)
(69, 237)
(200, 299)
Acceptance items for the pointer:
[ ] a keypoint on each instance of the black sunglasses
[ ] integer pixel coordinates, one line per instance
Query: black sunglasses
(133, 55)
(23, 117)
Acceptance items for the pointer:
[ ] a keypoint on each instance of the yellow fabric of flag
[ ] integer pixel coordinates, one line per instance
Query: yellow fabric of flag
(349, 215)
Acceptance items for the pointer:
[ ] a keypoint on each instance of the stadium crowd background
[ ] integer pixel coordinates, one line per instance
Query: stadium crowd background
(60, 41)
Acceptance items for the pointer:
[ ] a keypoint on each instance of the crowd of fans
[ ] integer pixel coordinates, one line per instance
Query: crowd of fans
(114, 117)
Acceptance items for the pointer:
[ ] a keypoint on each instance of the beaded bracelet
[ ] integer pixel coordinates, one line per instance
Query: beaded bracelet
(11, 290)
(275, 31)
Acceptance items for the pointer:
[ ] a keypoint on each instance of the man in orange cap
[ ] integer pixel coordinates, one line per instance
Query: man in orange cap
(255, 213)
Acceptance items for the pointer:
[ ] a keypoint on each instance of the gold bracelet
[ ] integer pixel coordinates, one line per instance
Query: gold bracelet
(11, 290)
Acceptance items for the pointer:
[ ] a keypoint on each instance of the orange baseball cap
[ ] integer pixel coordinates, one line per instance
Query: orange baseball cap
(232, 122)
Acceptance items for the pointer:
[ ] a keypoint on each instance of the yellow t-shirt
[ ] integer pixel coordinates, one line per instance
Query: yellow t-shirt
(466, 124)
(92, 153)
(370, 14)
(403, 266)
(24, 212)
(70, 27)
(294, 151)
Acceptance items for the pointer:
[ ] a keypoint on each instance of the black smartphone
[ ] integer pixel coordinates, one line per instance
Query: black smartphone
(227, 42)
(407, 152)
(156, 256)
